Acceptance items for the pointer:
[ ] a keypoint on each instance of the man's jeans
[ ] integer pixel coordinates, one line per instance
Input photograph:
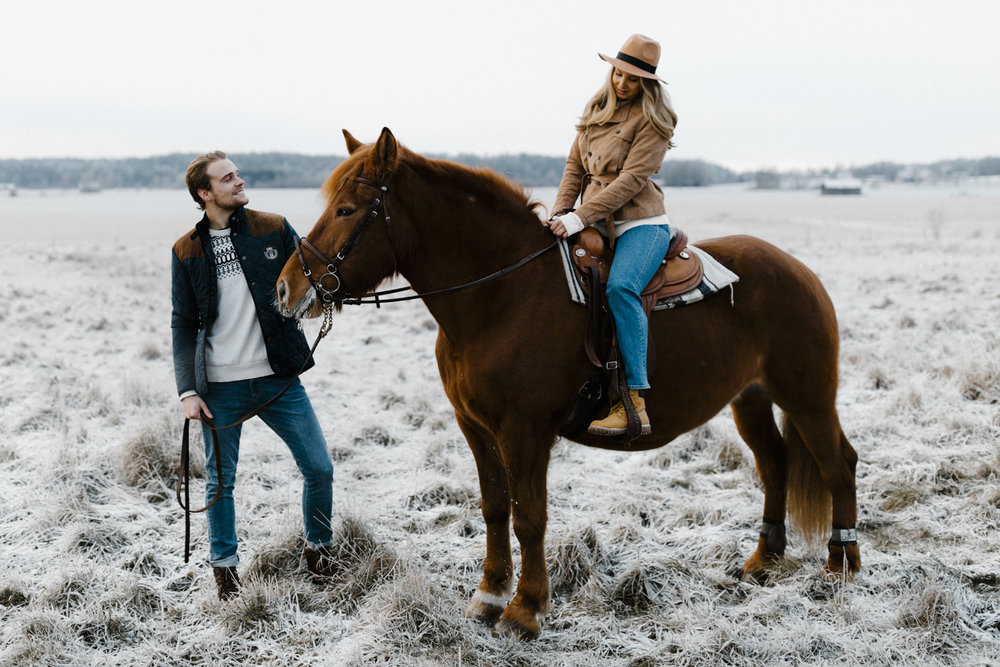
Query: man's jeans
(638, 254)
(293, 419)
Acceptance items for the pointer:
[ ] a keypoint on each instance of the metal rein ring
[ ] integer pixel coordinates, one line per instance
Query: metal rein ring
(328, 292)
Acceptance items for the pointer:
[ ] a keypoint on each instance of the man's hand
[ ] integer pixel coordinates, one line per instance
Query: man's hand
(194, 406)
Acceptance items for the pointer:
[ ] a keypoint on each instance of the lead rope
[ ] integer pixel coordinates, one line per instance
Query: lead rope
(184, 467)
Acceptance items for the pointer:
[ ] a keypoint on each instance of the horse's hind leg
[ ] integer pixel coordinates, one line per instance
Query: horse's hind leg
(494, 590)
(754, 416)
(836, 461)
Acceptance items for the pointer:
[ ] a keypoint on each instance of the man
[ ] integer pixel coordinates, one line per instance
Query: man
(233, 352)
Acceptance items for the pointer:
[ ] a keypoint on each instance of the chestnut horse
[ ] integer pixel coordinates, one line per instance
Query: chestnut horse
(511, 356)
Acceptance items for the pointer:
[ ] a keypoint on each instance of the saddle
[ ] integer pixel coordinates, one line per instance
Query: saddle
(680, 272)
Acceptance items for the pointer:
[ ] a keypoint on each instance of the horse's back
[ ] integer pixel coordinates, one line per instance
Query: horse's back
(791, 315)
(775, 326)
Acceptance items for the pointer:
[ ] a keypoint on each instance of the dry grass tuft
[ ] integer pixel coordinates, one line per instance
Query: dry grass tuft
(277, 559)
(94, 540)
(442, 493)
(982, 381)
(572, 559)
(13, 596)
(375, 436)
(256, 608)
(73, 589)
(933, 607)
(149, 459)
(410, 617)
(7, 453)
(106, 630)
(646, 585)
(363, 562)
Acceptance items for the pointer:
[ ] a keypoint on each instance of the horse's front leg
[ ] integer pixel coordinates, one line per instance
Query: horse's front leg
(491, 597)
(527, 458)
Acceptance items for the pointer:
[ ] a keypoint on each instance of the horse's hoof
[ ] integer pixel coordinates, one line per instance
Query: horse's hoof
(758, 567)
(844, 562)
(517, 623)
(485, 607)
(755, 576)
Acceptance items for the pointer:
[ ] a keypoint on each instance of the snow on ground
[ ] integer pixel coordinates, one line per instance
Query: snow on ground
(643, 548)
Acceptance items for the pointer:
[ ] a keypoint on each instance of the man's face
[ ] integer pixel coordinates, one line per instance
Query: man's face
(226, 186)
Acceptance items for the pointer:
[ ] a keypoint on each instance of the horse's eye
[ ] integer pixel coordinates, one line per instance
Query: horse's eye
(344, 211)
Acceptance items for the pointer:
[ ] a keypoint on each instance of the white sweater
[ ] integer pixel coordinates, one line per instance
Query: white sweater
(234, 348)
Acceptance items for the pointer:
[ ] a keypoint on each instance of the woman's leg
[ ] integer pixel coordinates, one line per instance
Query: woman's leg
(638, 254)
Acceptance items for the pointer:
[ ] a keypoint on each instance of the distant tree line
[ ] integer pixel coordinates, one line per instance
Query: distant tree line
(293, 170)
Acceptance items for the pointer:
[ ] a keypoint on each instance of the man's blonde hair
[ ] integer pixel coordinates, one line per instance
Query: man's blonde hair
(197, 175)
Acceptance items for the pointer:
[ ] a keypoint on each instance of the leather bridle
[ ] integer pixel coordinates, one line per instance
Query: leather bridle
(327, 292)
(336, 290)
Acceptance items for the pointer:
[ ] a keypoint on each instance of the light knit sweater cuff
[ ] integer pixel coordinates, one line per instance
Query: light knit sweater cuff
(572, 223)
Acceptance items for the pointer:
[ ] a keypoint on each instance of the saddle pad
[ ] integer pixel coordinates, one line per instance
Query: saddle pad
(716, 277)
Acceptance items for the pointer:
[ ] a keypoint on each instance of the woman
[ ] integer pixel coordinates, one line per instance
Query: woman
(621, 139)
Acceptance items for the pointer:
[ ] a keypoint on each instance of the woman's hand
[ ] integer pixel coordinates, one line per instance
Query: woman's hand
(556, 226)
(564, 225)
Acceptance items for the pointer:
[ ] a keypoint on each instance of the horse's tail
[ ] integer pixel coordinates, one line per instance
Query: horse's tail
(809, 498)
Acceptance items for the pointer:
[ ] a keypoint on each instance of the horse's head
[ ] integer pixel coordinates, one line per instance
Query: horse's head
(349, 250)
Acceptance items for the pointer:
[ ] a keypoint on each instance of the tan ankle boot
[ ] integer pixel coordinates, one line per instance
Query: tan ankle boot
(616, 422)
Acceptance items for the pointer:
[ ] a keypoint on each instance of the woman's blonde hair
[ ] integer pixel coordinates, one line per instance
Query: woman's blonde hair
(655, 107)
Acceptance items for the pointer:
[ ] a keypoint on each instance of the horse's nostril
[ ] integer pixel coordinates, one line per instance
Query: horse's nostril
(281, 291)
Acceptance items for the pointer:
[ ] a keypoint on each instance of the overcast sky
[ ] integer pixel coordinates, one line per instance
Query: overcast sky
(781, 83)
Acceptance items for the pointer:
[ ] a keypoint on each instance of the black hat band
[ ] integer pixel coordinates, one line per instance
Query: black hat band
(641, 64)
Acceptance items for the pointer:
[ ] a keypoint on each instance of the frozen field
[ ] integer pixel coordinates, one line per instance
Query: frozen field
(642, 547)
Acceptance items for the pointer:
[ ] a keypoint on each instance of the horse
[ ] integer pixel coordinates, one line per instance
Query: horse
(511, 356)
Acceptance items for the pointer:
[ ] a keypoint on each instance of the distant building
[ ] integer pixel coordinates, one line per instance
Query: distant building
(9, 188)
(841, 186)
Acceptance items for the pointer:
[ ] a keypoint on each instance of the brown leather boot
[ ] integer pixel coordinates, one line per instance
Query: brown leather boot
(321, 563)
(227, 581)
(616, 423)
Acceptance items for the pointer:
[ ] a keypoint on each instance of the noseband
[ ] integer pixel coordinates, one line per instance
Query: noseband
(330, 283)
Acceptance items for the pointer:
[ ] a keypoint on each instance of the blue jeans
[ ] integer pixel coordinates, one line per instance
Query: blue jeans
(638, 254)
(293, 419)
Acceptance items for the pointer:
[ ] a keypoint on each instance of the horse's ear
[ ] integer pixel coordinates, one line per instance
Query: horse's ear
(382, 160)
(352, 143)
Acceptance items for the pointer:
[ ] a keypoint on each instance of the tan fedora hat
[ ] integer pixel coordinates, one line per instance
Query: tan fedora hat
(639, 55)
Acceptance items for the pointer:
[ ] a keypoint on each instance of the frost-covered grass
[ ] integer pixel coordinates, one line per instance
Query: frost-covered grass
(643, 549)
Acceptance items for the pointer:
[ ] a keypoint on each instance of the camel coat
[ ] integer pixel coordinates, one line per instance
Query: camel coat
(609, 168)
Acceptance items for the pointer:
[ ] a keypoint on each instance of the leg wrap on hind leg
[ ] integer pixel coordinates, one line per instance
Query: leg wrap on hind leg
(773, 533)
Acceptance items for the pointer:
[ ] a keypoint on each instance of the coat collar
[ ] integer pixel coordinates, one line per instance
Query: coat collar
(237, 223)
(622, 113)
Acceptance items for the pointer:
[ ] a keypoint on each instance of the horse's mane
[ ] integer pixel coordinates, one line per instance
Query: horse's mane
(488, 185)
(485, 182)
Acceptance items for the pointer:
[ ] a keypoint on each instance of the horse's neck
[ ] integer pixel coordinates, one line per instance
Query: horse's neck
(462, 244)
(462, 238)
